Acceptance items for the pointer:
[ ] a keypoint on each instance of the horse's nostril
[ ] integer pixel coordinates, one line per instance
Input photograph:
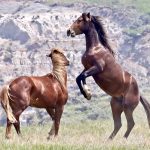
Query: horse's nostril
(68, 32)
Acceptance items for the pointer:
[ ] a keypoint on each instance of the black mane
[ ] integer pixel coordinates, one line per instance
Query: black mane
(101, 33)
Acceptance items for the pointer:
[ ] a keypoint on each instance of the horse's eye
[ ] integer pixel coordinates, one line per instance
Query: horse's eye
(79, 20)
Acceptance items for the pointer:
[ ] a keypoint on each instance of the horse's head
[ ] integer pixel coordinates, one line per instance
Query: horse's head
(81, 25)
(58, 57)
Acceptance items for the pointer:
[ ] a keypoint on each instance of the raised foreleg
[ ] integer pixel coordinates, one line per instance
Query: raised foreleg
(82, 79)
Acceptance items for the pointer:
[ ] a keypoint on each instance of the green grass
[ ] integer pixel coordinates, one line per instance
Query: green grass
(141, 5)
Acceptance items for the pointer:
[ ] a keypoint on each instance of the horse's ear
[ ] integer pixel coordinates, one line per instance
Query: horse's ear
(89, 16)
(86, 17)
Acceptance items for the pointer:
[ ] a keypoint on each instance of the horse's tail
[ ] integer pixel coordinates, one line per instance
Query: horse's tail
(146, 106)
(6, 105)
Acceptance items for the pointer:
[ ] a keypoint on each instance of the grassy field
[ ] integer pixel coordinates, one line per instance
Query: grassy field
(88, 135)
(82, 135)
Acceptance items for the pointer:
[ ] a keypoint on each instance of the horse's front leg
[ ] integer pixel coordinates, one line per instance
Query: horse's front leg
(58, 114)
(79, 79)
(51, 112)
(82, 78)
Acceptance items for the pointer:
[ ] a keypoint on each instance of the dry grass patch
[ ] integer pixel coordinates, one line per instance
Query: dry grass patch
(90, 135)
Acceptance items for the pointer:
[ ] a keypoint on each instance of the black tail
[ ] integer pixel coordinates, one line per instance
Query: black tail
(146, 106)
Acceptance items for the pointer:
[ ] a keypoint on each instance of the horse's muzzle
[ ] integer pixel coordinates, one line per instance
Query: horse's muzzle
(49, 55)
(70, 33)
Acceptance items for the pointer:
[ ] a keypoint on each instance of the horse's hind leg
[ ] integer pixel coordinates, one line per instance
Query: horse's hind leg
(130, 121)
(130, 102)
(8, 130)
(17, 125)
(128, 110)
(117, 109)
(17, 114)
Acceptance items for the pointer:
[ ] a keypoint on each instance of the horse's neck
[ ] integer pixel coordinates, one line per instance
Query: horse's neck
(92, 39)
(61, 75)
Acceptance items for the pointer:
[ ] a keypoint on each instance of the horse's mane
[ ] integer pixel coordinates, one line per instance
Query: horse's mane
(96, 20)
(59, 70)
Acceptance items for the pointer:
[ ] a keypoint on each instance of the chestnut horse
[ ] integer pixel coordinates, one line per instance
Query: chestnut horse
(48, 91)
(99, 62)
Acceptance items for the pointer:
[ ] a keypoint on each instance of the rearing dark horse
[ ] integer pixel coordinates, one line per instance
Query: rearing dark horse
(99, 62)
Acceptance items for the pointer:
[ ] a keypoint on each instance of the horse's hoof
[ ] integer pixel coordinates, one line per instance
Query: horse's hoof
(88, 97)
(110, 138)
(87, 91)
(50, 137)
(8, 137)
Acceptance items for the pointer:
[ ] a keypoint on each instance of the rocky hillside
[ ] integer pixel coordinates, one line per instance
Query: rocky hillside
(29, 29)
